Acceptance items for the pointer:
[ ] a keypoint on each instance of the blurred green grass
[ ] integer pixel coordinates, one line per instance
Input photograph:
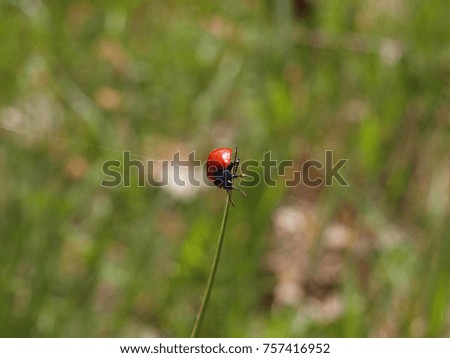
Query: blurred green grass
(367, 79)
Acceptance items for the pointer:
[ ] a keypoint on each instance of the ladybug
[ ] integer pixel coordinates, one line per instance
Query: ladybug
(222, 170)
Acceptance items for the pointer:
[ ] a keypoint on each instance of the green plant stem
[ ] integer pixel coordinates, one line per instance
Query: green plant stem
(212, 274)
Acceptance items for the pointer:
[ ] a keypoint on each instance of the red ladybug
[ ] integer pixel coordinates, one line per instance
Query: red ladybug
(222, 171)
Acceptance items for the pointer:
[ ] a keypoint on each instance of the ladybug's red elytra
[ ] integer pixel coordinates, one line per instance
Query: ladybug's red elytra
(222, 170)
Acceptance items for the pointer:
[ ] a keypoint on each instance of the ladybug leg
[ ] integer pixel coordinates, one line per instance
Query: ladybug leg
(229, 197)
(239, 190)
(235, 166)
(239, 175)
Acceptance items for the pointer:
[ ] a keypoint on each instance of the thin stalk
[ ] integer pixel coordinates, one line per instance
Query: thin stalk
(212, 274)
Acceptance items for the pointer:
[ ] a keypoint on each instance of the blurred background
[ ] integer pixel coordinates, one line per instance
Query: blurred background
(82, 81)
